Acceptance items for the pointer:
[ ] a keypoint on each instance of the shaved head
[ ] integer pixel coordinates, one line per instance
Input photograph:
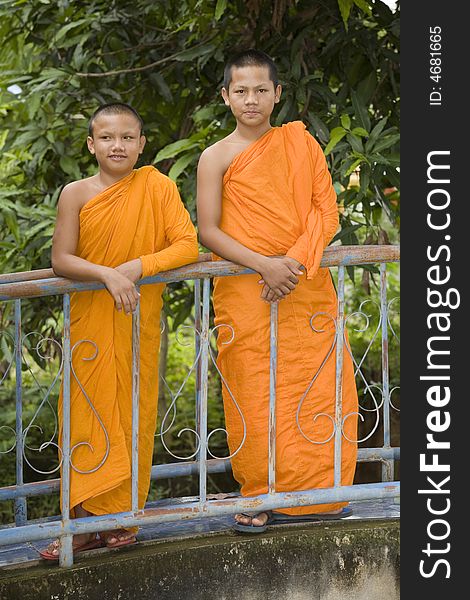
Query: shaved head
(115, 108)
(250, 58)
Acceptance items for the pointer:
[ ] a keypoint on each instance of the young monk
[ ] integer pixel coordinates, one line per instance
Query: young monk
(115, 227)
(265, 200)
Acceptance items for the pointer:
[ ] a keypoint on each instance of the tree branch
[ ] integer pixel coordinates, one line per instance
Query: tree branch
(144, 68)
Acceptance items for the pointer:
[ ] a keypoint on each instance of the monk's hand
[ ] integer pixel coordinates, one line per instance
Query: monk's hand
(122, 289)
(131, 269)
(279, 274)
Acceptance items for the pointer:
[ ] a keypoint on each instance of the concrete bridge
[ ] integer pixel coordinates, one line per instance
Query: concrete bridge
(356, 558)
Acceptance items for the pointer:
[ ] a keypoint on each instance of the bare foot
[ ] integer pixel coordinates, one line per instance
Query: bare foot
(256, 520)
(118, 537)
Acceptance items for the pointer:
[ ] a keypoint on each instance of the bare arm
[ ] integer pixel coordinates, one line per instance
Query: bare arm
(279, 273)
(66, 263)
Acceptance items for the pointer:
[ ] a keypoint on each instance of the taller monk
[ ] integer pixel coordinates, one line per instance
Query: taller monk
(115, 227)
(266, 201)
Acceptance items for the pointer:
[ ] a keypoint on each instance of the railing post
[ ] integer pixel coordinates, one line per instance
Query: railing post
(339, 377)
(66, 553)
(135, 407)
(387, 465)
(20, 503)
(272, 397)
(197, 344)
(203, 392)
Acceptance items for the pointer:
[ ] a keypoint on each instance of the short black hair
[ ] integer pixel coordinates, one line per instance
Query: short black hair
(250, 58)
(114, 108)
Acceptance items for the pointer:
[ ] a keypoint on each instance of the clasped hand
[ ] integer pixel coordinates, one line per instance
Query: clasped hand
(120, 283)
(279, 277)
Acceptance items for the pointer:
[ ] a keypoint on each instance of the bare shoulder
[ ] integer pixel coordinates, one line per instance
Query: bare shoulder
(77, 193)
(217, 158)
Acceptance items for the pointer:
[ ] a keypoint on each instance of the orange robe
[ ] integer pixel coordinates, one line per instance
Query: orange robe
(278, 199)
(139, 216)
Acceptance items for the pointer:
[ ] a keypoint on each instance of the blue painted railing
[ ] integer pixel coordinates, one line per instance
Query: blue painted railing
(16, 287)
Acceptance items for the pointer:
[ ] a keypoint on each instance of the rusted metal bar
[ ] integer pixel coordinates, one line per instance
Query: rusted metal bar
(387, 467)
(193, 510)
(20, 502)
(135, 407)
(332, 256)
(183, 469)
(197, 345)
(26, 276)
(339, 378)
(272, 397)
(65, 551)
(203, 392)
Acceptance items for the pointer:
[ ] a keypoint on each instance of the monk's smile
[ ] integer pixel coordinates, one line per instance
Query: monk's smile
(116, 143)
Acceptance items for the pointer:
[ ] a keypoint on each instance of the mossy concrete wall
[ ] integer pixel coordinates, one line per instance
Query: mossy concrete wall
(350, 560)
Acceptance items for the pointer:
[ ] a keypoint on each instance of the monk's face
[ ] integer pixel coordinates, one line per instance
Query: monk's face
(116, 142)
(251, 95)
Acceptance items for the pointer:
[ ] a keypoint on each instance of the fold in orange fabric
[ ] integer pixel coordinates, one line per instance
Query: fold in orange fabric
(278, 199)
(139, 216)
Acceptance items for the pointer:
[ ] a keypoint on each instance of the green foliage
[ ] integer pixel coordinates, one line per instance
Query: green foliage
(337, 60)
(166, 59)
(338, 63)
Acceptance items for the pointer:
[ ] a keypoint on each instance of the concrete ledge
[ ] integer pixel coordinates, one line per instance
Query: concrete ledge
(353, 559)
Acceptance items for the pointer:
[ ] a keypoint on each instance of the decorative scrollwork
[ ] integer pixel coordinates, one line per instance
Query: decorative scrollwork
(12, 356)
(388, 318)
(229, 391)
(95, 412)
(314, 378)
(397, 387)
(45, 402)
(164, 428)
(14, 439)
(6, 334)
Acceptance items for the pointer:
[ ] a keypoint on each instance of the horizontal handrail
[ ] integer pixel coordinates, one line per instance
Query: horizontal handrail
(183, 469)
(29, 287)
(38, 274)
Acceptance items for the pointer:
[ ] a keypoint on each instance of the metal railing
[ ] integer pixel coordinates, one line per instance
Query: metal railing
(16, 287)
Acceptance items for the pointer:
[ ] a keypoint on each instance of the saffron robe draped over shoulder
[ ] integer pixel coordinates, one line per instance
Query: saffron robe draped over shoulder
(139, 216)
(278, 199)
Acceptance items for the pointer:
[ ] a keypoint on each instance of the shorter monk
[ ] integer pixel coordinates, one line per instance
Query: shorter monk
(115, 227)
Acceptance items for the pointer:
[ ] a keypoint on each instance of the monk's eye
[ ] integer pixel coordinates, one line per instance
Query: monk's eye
(128, 137)
(262, 90)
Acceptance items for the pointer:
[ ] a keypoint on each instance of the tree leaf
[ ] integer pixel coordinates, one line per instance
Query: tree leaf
(353, 167)
(346, 232)
(174, 149)
(386, 142)
(180, 165)
(356, 143)
(336, 135)
(364, 6)
(345, 121)
(195, 52)
(66, 28)
(359, 131)
(360, 110)
(345, 8)
(220, 9)
(319, 127)
(376, 131)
